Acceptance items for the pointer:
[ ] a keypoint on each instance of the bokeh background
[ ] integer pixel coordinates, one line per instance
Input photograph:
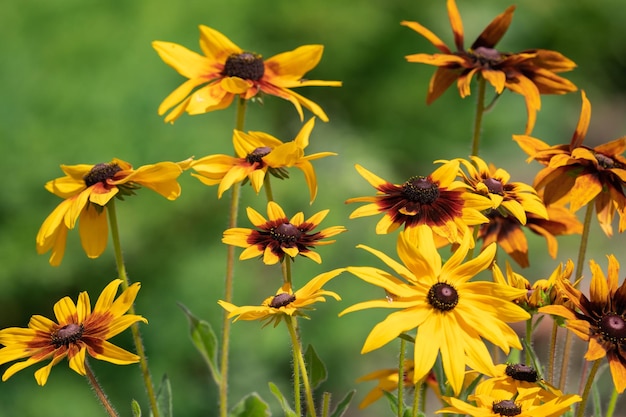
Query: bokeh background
(81, 83)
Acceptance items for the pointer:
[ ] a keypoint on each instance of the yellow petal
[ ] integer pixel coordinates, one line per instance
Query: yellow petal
(94, 230)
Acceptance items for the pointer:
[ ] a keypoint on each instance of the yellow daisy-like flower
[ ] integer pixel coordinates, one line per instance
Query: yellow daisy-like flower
(86, 190)
(226, 70)
(436, 201)
(599, 319)
(286, 302)
(515, 198)
(78, 331)
(257, 155)
(451, 313)
(512, 378)
(279, 236)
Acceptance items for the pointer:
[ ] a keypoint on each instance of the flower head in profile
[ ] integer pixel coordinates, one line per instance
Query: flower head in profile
(529, 73)
(279, 235)
(77, 331)
(257, 155)
(599, 319)
(507, 231)
(387, 381)
(286, 302)
(225, 70)
(87, 189)
(437, 201)
(452, 314)
(577, 174)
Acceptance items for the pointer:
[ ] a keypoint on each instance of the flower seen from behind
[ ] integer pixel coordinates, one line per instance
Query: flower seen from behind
(286, 302)
(225, 70)
(451, 313)
(77, 331)
(529, 73)
(437, 201)
(87, 189)
(257, 155)
(279, 235)
(599, 319)
(577, 174)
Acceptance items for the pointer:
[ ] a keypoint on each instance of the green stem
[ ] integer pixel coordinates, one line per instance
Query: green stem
(286, 267)
(552, 352)
(529, 338)
(611, 408)
(230, 268)
(104, 400)
(401, 378)
(268, 187)
(480, 110)
(588, 385)
(417, 395)
(123, 275)
(292, 325)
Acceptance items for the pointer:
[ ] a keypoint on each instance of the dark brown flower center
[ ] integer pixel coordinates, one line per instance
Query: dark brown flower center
(613, 328)
(607, 162)
(67, 334)
(101, 173)
(443, 296)
(521, 372)
(506, 408)
(494, 186)
(487, 56)
(246, 65)
(285, 233)
(282, 300)
(420, 190)
(258, 154)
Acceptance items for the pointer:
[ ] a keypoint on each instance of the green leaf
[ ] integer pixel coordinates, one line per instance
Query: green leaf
(343, 405)
(136, 408)
(393, 402)
(164, 398)
(204, 339)
(250, 406)
(283, 402)
(315, 367)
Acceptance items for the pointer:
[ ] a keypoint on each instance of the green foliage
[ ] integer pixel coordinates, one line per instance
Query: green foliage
(205, 340)
(135, 408)
(250, 406)
(284, 403)
(164, 398)
(343, 405)
(315, 367)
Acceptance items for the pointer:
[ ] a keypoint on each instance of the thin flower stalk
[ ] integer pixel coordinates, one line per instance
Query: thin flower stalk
(300, 366)
(400, 378)
(123, 275)
(480, 110)
(95, 385)
(587, 390)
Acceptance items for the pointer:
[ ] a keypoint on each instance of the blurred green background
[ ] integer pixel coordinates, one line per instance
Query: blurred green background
(81, 83)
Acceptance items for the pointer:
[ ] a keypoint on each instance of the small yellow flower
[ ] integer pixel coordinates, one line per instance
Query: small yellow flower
(226, 70)
(280, 236)
(78, 331)
(286, 302)
(86, 190)
(257, 155)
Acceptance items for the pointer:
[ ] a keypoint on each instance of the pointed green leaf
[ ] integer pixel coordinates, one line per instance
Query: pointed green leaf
(393, 402)
(283, 402)
(164, 398)
(250, 406)
(315, 367)
(343, 405)
(205, 340)
(135, 408)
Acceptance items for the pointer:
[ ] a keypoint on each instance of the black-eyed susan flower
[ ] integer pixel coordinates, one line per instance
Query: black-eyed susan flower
(86, 190)
(77, 331)
(529, 73)
(226, 70)
(513, 198)
(578, 175)
(512, 378)
(257, 155)
(508, 232)
(451, 313)
(526, 403)
(437, 201)
(286, 302)
(279, 235)
(599, 319)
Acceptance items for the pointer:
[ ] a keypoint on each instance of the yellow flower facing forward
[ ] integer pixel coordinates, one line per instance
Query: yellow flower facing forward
(599, 319)
(577, 174)
(226, 70)
(436, 201)
(77, 331)
(529, 73)
(451, 313)
(257, 155)
(286, 302)
(279, 236)
(86, 190)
